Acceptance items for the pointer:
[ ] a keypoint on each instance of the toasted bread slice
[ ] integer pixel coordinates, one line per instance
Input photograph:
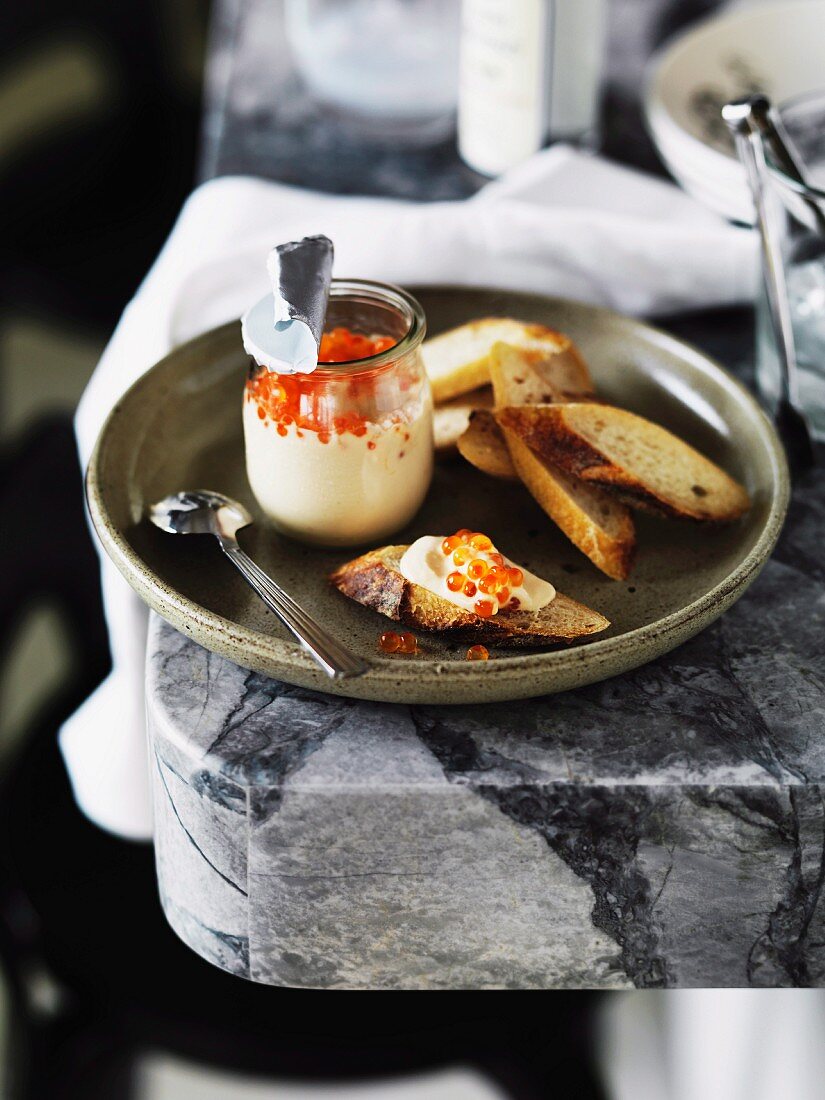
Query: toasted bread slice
(523, 375)
(483, 445)
(374, 580)
(638, 461)
(520, 375)
(600, 526)
(458, 361)
(451, 419)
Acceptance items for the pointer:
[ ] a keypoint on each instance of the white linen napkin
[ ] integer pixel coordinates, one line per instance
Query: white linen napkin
(713, 1044)
(563, 223)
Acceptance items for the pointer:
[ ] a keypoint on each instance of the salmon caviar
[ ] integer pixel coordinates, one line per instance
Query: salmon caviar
(478, 653)
(481, 571)
(408, 643)
(342, 345)
(307, 401)
(477, 568)
(389, 641)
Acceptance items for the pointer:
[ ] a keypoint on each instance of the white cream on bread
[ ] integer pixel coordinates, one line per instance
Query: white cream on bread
(426, 563)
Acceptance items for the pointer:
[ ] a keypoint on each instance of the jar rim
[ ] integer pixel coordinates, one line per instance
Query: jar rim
(387, 294)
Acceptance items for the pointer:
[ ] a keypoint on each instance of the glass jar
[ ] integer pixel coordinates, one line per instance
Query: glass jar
(387, 68)
(343, 456)
(798, 216)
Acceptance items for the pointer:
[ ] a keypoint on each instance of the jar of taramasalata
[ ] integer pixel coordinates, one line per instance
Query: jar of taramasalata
(343, 456)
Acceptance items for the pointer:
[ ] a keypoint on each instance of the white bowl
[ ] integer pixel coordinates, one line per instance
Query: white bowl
(775, 48)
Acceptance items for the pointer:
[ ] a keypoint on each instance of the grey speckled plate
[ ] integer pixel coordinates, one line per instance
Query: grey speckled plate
(180, 427)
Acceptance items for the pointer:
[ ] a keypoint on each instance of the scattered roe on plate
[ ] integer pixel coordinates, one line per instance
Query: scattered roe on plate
(478, 653)
(390, 642)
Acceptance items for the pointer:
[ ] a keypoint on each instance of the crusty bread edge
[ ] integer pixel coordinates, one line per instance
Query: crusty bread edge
(561, 445)
(614, 557)
(396, 598)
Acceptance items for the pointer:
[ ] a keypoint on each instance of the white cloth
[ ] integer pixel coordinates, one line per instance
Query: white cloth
(713, 1044)
(563, 223)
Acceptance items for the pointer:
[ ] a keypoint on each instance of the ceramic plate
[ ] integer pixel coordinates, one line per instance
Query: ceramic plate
(179, 427)
(774, 48)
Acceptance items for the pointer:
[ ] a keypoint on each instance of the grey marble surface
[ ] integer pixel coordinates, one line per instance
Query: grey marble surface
(664, 828)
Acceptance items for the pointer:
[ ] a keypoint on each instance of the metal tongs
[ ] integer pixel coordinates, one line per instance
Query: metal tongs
(755, 126)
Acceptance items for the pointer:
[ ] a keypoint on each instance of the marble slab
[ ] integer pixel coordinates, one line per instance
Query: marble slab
(664, 828)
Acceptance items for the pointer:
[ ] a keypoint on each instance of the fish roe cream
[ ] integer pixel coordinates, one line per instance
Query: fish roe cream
(344, 455)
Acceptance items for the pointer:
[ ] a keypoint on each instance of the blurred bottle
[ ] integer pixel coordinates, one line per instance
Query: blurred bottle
(529, 74)
(388, 67)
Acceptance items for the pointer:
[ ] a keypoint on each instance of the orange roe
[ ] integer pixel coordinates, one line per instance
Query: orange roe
(342, 345)
(488, 584)
(478, 653)
(390, 642)
(306, 400)
(477, 568)
(480, 542)
(475, 575)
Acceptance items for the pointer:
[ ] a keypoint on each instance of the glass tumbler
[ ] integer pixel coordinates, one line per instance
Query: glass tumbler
(389, 68)
(798, 214)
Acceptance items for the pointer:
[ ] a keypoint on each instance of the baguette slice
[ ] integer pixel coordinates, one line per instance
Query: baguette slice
(483, 445)
(598, 525)
(451, 419)
(638, 461)
(374, 580)
(530, 376)
(525, 376)
(458, 361)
